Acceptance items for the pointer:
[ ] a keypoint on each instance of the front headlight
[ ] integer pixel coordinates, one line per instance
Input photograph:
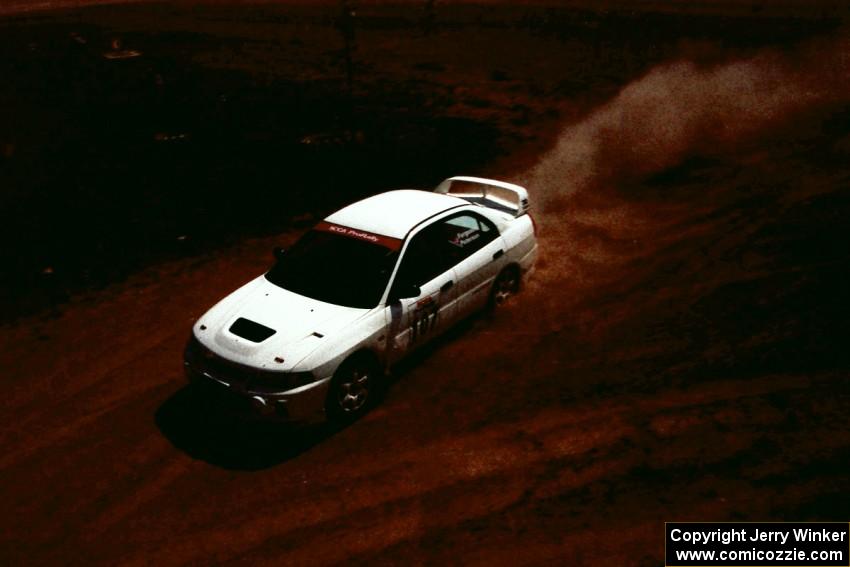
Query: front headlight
(272, 382)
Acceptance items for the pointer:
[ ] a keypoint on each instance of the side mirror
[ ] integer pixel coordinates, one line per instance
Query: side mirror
(278, 252)
(413, 291)
(405, 292)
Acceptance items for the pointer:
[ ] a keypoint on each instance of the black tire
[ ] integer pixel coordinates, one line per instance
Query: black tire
(353, 389)
(505, 285)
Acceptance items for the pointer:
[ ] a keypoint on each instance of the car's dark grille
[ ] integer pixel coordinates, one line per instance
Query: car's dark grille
(248, 379)
(204, 360)
(251, 330)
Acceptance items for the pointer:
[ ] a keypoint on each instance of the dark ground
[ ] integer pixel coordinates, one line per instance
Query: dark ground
(681, 353)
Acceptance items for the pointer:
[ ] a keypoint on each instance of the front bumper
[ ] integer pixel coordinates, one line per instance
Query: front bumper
(227, 385)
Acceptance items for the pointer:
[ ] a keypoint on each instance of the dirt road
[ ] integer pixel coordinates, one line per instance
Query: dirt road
(680, 354)
(678, 361)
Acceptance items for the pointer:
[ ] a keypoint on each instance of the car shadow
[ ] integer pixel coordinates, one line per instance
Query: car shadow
(193, 426)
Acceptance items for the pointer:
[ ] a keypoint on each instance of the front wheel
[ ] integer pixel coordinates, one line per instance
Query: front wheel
(506, 285)
(353, 389)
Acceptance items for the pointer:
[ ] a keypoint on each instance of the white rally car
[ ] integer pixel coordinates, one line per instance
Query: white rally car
(363, 288)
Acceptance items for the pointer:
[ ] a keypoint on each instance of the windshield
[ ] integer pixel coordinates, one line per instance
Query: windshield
(337, 265)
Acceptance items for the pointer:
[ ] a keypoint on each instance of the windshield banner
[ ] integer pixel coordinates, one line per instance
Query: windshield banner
(385, 241)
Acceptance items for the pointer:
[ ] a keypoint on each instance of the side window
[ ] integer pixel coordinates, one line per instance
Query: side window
(465, 234)
(442, 245)
(423, 259)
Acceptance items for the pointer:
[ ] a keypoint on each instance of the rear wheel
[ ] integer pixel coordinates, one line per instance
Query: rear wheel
(506, 285)
(353, 389)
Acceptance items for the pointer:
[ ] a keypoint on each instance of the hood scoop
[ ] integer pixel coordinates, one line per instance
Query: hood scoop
(250, 330)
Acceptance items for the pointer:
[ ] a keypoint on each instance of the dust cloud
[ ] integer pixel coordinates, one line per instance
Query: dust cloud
(681, 108)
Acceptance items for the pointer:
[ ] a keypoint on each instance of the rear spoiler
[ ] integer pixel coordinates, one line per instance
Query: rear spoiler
(498, 195)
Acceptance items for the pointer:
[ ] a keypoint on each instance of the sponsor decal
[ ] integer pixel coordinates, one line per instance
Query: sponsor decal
(385, 241)
(465, 237)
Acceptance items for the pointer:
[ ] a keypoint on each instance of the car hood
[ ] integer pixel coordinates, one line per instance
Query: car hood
(297, 325)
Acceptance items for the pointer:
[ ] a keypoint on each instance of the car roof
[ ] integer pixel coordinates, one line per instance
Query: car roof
(394, 213)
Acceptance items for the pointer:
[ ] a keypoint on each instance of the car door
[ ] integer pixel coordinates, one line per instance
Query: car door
(479, 255)
(416, 319)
